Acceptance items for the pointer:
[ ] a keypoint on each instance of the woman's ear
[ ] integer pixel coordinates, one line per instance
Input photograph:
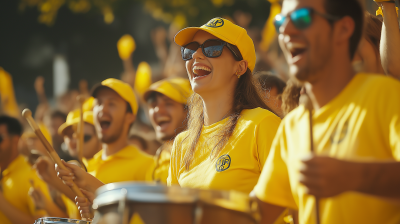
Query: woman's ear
(242, 68)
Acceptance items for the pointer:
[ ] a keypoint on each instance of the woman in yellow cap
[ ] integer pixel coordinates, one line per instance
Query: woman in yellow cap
(230, 128)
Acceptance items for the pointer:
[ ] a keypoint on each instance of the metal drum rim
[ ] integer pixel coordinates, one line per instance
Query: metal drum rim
(55, 219)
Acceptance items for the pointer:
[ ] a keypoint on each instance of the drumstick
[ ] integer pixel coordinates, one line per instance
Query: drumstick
(306, 101)
(80, 130)
(27, 114)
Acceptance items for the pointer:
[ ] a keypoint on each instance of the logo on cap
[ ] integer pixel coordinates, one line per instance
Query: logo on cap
(214, 23)
(223, 163)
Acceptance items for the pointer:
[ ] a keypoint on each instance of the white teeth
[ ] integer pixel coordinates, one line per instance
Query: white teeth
(162, 119)
(201, 68)
(294, 46)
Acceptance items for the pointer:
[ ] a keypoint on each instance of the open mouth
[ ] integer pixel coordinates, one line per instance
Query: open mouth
(163, 122)
(105, 124)
(200, 71)
(296, 50)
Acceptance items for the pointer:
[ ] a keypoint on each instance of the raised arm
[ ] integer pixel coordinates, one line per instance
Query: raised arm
(390, 40)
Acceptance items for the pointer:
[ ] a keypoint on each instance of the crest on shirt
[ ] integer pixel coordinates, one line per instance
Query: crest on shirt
(223, 163)
(340, 133)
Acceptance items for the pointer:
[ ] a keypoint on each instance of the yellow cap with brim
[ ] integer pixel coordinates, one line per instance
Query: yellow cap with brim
(226, 31)
(123, 89)
(74, 117)
(178, 89)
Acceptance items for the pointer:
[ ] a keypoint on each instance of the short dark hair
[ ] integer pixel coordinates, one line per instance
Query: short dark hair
(354, 9)
(269, 80)
(14, 127)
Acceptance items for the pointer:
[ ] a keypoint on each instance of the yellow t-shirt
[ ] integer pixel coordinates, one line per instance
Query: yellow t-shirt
(128, 164)
(360, 124)
(16, 184)
(72, 209)
(161, 171)
(238, 165)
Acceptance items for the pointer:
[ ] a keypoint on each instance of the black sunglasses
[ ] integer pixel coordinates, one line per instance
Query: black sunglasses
(211, 48)
(87, 138)
(302, 18)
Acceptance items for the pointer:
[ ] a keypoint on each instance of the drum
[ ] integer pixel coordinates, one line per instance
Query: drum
(55, 220)
(130, 202)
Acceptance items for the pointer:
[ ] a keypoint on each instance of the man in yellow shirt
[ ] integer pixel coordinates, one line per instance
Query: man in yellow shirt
(166, 101)
(16, 176)
(114, 111)
(354, 170)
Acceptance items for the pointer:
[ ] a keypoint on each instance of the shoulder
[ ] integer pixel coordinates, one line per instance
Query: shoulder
(259, 115)
(372, 83)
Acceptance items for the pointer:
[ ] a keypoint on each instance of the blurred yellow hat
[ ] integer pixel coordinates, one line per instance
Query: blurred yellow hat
(43, 129)
(123, 89)
(226, 31)
(88, 104)
(178, 89)
(74, 117)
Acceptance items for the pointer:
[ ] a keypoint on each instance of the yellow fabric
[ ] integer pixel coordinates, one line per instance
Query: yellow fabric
(123, 89)
(7, 100)
(161, 171)
(360, 124)
(178, 89)
(128, 164)
(16, 185)
(380, 11)
(239, 163)
(226, 31)
(72, 209)
(88, 104)
(74, 118)
(269, 31)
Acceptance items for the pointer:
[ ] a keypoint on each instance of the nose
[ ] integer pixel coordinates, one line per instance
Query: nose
(198, 54)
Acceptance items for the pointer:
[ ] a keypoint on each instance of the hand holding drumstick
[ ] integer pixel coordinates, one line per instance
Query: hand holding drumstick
(74, 175)
(52, 153)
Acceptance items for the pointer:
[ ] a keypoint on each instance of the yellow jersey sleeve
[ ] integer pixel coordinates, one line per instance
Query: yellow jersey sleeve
(265, 135)
(40, 184)
(273, 185)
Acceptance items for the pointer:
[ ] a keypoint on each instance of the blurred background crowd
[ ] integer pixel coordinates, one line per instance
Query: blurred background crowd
(51, 51)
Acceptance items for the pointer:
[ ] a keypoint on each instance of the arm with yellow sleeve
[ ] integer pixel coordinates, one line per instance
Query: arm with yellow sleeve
(16, 215)
(390, 38)
(273, 190)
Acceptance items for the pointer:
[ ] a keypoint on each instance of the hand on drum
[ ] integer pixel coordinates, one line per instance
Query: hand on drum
(326, 177)
(79, 176)
(85, 206)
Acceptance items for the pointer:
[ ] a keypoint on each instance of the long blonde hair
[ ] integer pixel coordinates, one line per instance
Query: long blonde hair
(247, 95)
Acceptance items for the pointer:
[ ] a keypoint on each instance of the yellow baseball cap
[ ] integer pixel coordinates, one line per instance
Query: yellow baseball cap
(74, 117)
(178, 89)
(123, 89)
(226, 31)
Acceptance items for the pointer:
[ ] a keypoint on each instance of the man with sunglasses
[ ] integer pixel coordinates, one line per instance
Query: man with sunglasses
(92, 143)
(353, 173)
(16, 176)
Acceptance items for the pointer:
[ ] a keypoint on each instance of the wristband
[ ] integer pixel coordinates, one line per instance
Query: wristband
(380, 12)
